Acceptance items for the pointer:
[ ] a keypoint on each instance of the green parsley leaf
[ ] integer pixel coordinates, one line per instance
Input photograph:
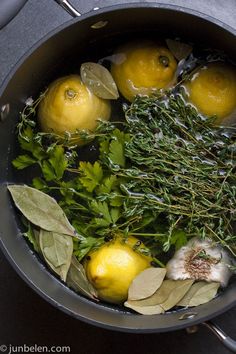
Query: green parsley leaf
(104, 147)
(28, 143)
(115, 214)
(115, 200)
(108, 184)
(23, 161)
(109, 190)
(102, 210)
(39, 183)
(178, 238)
(116, 147)
(33, 237)
(48, 171)
(83, 247)
(58, 161)
(91, 175)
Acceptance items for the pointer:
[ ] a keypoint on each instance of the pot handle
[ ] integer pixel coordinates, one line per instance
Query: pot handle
(226, 340)
(66, 5)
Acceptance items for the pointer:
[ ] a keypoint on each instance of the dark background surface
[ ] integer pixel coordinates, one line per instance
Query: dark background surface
(27, 319)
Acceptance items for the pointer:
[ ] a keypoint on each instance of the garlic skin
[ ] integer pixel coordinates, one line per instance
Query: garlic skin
(200, 260)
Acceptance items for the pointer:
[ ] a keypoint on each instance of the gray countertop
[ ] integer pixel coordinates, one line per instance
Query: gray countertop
(25, 317)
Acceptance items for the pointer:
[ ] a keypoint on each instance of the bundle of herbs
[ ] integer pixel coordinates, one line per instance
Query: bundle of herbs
(164, 174)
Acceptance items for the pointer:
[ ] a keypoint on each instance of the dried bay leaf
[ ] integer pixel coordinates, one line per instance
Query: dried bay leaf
(177, 293)
(146, 283)
(166, 297)
(190, 294)
(77, 280)
(57, 250)
(99, 80)
(199, 293)
(145, 310)
(41, 209)
(179, 49)
(160, 296)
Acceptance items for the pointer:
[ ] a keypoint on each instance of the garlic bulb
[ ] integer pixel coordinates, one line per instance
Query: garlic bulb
(200, 260)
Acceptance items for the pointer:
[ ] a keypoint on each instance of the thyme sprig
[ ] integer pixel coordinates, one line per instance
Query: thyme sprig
(189, 167)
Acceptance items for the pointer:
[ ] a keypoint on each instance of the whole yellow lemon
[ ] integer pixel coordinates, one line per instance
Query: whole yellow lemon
(142, 68)
(113, 266)
(69, 105)
(212, 89)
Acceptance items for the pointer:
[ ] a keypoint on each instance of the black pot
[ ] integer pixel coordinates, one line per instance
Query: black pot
(34, 71)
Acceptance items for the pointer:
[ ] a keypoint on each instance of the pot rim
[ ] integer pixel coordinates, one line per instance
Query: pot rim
(101, 11)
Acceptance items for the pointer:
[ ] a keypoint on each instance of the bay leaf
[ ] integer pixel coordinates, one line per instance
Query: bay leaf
(199, 293)
(179, 49)
(146, 283)
(160, 296)
(166, 297)
(57, 250)
(41, 209)
(177, 293)
(145, 310)
(77, 280)
(99, 80)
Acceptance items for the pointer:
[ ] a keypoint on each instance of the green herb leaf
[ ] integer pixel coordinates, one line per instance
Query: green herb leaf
(57, 250)
(99, 80)
(199, 293)
(102, 210)
(91, 175)
(48, 171)
(104, 147)
(108, 184)
(23, 161)
(28, 143)
(33, 236)
(115, 214)
(39, 183)
(41, 209)
(116, 147)
(146, 283)
(58, 161)
(77, 280)
(116, 200)
(84, 246)
(54, 166)
(178, 238)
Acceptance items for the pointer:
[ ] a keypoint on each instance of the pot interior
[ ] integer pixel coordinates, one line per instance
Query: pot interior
(61, 53)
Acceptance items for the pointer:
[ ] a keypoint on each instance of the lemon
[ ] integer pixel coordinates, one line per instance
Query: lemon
(142, 68)
(69, 105)
(212, 89)
(113, 266)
